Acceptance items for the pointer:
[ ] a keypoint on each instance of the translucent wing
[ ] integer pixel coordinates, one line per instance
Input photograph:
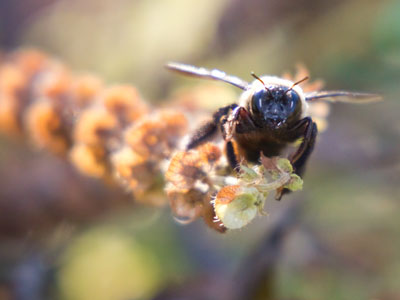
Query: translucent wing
(208, 74)
(343, 96)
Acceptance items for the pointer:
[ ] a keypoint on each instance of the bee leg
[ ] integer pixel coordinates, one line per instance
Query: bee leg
(238, 121)
(227, 127)
(203, 134)
(308, 129)
(208, 130)
(299, 158)
(231, 156)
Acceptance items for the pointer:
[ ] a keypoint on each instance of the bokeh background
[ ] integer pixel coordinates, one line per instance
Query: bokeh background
(102, 245)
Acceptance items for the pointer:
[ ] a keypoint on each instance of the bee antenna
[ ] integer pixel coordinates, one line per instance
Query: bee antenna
(296, 83)
(260, 80)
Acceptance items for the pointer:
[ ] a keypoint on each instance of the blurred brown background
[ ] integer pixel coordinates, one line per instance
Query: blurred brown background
(64, 236)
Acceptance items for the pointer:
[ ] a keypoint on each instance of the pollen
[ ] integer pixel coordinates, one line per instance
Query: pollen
(84, 89)
(184, 169)
(210, 153)
(156, 136)
(145, 136)
(90, 160)
(45, 127)
(124, 102)
(95, 125)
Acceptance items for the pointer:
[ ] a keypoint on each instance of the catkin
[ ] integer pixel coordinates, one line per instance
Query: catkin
(111, 133)
(107, 132)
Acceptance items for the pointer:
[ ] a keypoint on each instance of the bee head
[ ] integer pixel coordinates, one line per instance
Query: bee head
(275, 103)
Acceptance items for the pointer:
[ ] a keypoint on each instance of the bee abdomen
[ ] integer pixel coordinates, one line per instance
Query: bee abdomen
(250, 146)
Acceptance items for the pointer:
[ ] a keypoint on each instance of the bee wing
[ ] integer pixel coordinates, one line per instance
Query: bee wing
(208, 74)
(343, 96)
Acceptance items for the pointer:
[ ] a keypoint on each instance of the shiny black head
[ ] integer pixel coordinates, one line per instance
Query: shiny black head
(275, 106)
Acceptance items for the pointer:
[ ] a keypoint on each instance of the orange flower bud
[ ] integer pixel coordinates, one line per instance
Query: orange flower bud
(44, 124)
(124, 102)
(94, 126)
(90, 160)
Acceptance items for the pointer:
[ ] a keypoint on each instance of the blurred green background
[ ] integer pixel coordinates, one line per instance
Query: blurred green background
(347, 245)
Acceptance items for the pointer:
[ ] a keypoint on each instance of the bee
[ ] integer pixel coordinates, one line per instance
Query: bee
(271, 114)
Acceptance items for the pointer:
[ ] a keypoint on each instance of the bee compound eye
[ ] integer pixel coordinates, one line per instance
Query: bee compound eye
(294, 106)
(259, 102)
